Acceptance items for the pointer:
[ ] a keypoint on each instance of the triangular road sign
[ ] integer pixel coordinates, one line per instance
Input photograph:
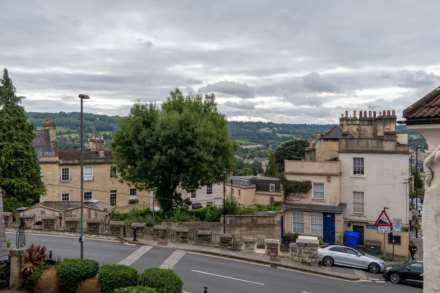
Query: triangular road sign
(383, 219)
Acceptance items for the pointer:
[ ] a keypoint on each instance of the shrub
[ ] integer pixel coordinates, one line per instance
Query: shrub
(137, 289)
(72, 271)
(34, 257)
(114, 276)
(164, 281)
(31, 281)
(4, 274)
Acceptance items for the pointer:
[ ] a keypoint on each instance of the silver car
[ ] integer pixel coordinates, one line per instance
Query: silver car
(347, 256)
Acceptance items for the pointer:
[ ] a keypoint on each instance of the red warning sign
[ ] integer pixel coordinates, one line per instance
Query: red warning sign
(383, 220)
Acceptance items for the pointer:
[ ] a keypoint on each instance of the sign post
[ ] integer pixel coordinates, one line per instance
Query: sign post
(385, 226)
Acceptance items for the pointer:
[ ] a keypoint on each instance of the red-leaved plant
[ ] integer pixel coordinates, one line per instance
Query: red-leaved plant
(34, 257)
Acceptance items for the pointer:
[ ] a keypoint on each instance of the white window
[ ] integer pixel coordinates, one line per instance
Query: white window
(358, 202)
(193, 194)
(133, 192)
(298, 222)
(88, 195)
(88, 173)
(65, 196)
(318, 190)
(209, 204)
(209, 189)
(113, 172)
(316, 224)
(272, 187)
(358, 166)
(113, 197)
(65, 174)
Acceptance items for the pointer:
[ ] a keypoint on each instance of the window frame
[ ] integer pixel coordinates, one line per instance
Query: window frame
(63, 174)
(314, 196)
(113, 172)
(90, 177)
(272, 187)
(209, 189)
(356, 204)
(63, 194)
(314, 224)
(133, 194)
(193, 194)
(113, 197)
(84, 195)
(358, 166)
(298, 221)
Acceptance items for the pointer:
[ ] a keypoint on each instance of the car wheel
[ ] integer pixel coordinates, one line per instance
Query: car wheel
(395, 278)
(328, 261)
(374, 268)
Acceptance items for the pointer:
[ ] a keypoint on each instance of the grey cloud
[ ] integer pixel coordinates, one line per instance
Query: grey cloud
(230, 88)
(315, 82)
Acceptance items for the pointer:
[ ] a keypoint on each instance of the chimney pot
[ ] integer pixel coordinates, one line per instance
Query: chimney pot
(346, 113)
(394, 112)
(388, 113)
(354, 114)
(369, 114)
(360, 114)
(374, 114)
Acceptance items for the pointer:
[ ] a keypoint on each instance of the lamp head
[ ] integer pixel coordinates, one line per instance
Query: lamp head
(83, 97)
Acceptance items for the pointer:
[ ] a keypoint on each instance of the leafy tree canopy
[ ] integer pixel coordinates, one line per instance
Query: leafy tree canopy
(184, 144)
(290, 150)
(19, 170)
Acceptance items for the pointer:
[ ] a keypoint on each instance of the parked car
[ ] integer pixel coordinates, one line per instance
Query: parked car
(412, 271)
(347, 256)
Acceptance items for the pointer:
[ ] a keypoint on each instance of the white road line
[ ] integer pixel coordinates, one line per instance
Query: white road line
(135, 255)
(227, 277)
(229, 259)
(173, 259)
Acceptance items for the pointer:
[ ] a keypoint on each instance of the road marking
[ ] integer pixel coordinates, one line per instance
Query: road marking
(173, 259)
(135, 255)
(229, 259)
(227, 277)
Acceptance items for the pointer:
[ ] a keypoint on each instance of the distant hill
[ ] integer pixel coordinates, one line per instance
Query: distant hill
(268, 135)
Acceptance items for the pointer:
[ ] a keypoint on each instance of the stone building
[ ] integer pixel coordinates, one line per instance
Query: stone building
(3, 249)
(253, 190)
(61, 174)
(355, 170)
(208, 195)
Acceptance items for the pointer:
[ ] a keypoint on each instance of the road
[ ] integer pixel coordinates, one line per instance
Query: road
(219, 275)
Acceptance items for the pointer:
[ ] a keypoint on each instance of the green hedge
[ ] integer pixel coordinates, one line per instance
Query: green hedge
(137, 289)
(72, 271)
(112, 277)
(164, 281)
(31, 281)
(4, 274)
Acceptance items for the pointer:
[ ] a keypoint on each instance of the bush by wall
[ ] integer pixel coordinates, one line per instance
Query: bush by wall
(4, 274)
(72, 271)
(114, 276)
(137, 289)
(31, 281)
(164, 281)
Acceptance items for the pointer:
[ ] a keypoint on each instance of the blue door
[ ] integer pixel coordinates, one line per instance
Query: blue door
(329, 228)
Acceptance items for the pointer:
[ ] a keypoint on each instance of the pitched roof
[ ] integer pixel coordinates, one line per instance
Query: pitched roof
(426, 110)
(41, 143)
(333, 134)
(73, 156)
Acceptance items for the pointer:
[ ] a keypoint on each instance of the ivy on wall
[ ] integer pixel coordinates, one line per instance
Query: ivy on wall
(296, 188)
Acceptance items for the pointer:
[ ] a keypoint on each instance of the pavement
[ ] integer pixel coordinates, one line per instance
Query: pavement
(217, 273)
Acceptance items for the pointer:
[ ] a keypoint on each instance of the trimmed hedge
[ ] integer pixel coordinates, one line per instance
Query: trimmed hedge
(137, 289)
(4, 274)
(31, 281)
(115, 276)
(164, 281)
(72, 271)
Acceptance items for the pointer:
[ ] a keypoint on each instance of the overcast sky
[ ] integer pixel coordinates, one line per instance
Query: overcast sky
(282, 61)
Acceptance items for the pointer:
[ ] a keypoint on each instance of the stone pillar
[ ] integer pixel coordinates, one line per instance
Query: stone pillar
(272, 247)
(17, 261)
(3, 249)
(430, 224)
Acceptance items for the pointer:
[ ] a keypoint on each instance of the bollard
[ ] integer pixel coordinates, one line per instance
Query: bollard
(134, 234)
(205, 289)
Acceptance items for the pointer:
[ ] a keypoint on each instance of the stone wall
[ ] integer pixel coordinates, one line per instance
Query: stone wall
(255, 226)
(3, 249)
(305, 250)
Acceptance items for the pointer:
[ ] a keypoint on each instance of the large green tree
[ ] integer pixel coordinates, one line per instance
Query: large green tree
(19, 170)
(184, 144)
(290, 150)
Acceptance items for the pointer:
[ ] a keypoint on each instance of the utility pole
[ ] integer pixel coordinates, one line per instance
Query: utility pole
(224, 204)
(81, 160)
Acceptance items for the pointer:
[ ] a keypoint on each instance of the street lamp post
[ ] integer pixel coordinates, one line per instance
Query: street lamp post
(82, 97)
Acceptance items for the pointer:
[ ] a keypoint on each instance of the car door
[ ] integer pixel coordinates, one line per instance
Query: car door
(414, 271)
(339, 254)
(353, 258)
